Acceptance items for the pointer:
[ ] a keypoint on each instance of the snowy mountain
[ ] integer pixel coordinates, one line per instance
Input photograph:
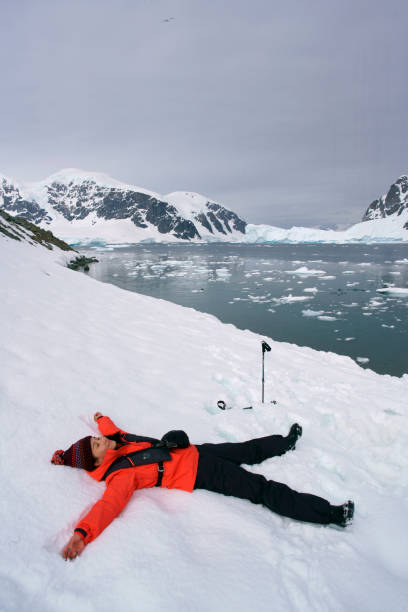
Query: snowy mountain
(71, 345)
(83, 206)
(392, 204)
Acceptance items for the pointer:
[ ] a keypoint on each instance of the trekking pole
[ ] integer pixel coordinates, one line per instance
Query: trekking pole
(265, 348)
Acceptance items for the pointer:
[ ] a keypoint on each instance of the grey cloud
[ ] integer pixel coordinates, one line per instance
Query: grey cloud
(288, 114)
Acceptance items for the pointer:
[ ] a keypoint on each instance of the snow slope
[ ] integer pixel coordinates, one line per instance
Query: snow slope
(71, 346)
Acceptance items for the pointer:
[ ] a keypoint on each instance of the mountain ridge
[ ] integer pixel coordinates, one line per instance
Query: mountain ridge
(76, 197)
(87, 208)
(394, 202)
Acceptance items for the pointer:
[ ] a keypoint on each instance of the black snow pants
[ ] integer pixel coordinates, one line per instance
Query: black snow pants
(219, 470)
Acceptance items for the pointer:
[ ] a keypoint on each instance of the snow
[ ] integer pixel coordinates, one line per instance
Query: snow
(77, 176)
(312, 313)
(389, 229)
(71, 346)
(188, 203)
(311, 290)
(394, 290)
(305, 271)
(289, 299)
(86, 232)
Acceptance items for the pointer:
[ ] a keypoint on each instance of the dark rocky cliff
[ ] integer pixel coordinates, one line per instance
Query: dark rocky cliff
(394, 202)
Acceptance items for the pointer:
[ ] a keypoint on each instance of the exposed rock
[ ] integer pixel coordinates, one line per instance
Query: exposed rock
(76, 199)
(392, 203)
(11, 200)
(21, 229)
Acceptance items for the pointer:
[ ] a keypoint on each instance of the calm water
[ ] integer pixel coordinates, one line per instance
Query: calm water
(322, 296)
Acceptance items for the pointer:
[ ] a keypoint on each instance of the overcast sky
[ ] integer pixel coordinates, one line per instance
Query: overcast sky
(289, 113)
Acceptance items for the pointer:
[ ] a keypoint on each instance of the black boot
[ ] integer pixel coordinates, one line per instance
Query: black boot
(342, 515)
(294, 434)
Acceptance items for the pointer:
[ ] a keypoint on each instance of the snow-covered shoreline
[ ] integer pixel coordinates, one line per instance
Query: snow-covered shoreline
(115, 233)
(71, 345)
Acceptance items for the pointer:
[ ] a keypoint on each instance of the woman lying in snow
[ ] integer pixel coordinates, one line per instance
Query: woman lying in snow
(127, 462)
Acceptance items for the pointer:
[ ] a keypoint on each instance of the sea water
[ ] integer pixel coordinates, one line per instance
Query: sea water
(349, 299)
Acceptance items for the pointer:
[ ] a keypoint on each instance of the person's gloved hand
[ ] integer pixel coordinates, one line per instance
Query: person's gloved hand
(176, 438)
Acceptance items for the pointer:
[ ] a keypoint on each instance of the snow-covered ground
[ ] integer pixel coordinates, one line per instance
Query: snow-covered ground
(71, 346)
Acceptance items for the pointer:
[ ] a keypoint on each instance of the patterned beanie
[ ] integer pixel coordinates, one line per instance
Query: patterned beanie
(78, 455)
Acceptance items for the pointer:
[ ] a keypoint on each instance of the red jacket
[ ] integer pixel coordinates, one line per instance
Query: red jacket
(179, 473)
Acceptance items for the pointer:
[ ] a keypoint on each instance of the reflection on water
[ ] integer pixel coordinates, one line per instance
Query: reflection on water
(322, 296)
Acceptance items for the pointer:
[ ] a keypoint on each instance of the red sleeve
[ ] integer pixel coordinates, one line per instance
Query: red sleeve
(107, 427)
(117, 494)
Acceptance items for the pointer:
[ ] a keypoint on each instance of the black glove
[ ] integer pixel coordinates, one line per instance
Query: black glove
(176, 439)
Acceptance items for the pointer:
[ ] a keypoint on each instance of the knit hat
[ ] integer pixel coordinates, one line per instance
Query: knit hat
(78, 455)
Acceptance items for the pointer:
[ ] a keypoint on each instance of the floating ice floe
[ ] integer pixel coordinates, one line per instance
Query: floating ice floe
(311, 290)
(224, 273)
(375, 303)
(289, 299)
(305, 271)
(312, 313)
(260, 299)
(327, 318)
(362, 359)
(394, 290)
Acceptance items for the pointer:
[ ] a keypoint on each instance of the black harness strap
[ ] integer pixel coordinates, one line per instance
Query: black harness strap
(145, 456)
(128, 437)
(160, 473)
